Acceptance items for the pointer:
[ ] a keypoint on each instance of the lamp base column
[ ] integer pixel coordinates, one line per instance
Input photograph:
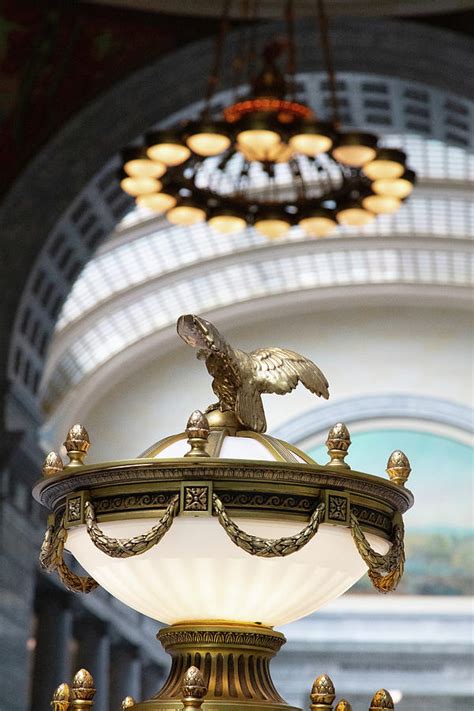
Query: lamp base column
(233, 659)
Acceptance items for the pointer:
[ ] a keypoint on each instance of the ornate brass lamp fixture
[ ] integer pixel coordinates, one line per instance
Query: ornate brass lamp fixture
(223, 532)
(267, 160)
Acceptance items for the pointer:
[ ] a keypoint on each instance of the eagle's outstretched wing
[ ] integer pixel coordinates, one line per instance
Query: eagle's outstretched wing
(277, 370)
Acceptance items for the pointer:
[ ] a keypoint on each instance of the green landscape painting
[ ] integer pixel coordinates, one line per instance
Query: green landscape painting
(439, 528)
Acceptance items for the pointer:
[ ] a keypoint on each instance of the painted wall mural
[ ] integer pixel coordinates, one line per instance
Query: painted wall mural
(439, 528)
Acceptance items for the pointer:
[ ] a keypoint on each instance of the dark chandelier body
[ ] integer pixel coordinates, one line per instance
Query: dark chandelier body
(266, 160)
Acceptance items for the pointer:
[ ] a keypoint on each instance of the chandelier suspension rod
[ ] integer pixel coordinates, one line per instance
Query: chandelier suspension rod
(328, 59)
(253, 41)
(214, 76)
(290, 29)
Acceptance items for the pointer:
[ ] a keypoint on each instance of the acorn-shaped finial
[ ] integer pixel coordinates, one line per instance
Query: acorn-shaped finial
(197, 431)
(60, 700)
(322, 693)
(83, 686)
(194, 689)
(128, 702)
(343, 705)
(52, 465)
(338, 443)
(382, 701)
(398, 467)
(77, 444)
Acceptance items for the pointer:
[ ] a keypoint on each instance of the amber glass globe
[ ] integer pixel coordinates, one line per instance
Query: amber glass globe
(186, 215)
(318, 225)
(381, 204)
(157, 202)
(140, 185)
(272, 227)
(227, 224)
(354, 216)
(355, 149)
(388, 163)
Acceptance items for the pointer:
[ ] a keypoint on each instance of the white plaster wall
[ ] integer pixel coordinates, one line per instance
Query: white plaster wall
(362, 351)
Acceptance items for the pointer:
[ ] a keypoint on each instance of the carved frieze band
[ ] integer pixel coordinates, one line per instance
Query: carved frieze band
(172, 637)
(196, 497)
(51, 492)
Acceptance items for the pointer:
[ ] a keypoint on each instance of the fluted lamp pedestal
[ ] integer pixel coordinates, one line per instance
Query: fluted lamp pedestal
(233, 659)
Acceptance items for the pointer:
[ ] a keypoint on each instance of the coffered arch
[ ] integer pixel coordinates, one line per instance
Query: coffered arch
(66, 217)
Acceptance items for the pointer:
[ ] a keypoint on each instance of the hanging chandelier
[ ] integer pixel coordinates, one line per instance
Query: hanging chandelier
(223, 532)
(267, 160)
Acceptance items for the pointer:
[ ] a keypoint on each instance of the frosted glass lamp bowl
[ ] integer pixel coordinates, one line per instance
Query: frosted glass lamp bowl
(196, 577)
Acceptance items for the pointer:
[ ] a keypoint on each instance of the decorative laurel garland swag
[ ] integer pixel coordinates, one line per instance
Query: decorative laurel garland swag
(385, 571)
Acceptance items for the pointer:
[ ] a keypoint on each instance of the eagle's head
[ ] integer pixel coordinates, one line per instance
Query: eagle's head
(199, 333)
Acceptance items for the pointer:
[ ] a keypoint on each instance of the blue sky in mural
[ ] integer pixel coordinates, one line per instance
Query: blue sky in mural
(439, 527)
(441, 478)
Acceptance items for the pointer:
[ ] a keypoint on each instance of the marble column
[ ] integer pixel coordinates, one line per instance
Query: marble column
(126, 672)
(153, 678)
(93, 654)
(53, 646)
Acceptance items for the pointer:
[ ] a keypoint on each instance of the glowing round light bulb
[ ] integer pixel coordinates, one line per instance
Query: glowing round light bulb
(273, 228)
(381, 204)
(157, 202)
(185, 215)
(140, 185)
(142, 167)
(227, 224)
(397, 187)
(383, 169)
(355, 148)
(208, 144)
(257, 143)
(354, 156)
(388, 163)
(318, 226)
(355, 216)
(310, 144)
(169, 153)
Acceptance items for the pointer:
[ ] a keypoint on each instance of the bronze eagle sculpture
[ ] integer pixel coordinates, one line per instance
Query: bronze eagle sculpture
(240, 378)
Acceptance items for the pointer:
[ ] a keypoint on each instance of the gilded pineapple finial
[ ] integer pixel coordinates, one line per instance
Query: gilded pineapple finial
(60, 700)
(398, 467)
(128, 702)
(382, 701)
(322, 693)
(343, 705)
(52, 465)
(338, 443)
(194, 689)
(197, 431)
(83, 691)
(77, 444)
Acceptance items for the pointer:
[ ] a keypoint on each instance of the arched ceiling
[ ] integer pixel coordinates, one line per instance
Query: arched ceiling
(274, 8)
(149, 272)
(408, 98)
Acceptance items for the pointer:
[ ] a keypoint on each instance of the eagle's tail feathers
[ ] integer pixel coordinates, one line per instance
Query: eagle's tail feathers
(249, 408)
